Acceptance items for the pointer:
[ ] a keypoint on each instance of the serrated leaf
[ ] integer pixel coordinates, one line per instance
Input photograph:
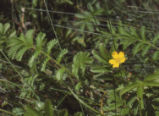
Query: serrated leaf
(29, 37)
(48, 108)
(155, 56)
(80, 61)
(50, 45)
(60, 74)
(13, 51)
(127, 42)
(152, 84)
(63, 112)
(128, 88)
(1, 28)
(6, 27)
(142, 32)
(99, 58)
(134, 33)
(145, 50)
(20, 53)
(80, 16)
(78, 114)
(13, 34)
(43, 67)
(40, 41)
(137, 48)
(152, 77)
(32, 59)
(131, 101)
(103, 51)
(31, 112)
(61, 55)
(156, 38)
(78, 86)
(140, 92)
(99, 69)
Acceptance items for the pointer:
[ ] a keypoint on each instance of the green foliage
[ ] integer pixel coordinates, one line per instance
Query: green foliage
(80, 61)
(26, 42)
(48, 111)
(87, 18)
(63, 54)
(140, 86)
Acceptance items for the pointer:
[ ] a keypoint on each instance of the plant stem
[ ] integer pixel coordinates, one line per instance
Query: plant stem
(82, 102)
(7, 112)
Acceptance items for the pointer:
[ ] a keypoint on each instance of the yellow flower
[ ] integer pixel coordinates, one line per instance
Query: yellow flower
(118, 58)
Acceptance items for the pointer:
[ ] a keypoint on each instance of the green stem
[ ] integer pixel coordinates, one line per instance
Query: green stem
(7, 112)
(17, 85)
(11, 65)
(149, 43)
(59, 65)
(82, 102)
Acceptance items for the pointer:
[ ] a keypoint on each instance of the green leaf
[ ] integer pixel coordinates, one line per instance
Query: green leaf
(142, 32)
(61, 55)
(152, 77)
(63, 112)
(80, 61)
(31, 112)
(78, 114)
(145, 50)
(80, 16)
(137, 48)
(152, 84)
(29, 37)
(40, 41)
(128, 88)
(134, 33)
(20, 53)
(156, 38)
(13, 34)
(13, 51)
(131, 101)
(60, 74)
(48, 108)
(33, 58)
(50, 45)
(34, 3)
(99, 58)
(103, 51)
(155, 56)
(78, 86)
(43, 67)
(6, 27)
(1, 28)
(140, 92)
(99, 69)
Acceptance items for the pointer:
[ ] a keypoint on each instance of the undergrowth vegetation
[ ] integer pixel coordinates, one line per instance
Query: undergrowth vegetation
(79, 58)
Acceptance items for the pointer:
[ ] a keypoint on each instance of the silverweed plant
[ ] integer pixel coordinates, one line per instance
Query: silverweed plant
(79, 58)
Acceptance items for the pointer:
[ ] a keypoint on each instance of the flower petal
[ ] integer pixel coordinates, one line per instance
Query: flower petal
(115, 54)
(122, 60)
(116, 65)
(112, 61)
(121, 54)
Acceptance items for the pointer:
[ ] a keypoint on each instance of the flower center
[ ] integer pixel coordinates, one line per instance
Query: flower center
(118, 60)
